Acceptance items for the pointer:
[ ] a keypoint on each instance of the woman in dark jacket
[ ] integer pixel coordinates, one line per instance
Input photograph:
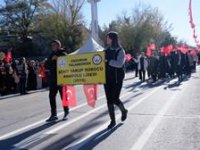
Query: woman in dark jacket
(115, 58)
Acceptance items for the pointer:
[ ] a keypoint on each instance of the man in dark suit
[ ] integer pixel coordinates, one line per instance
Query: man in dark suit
(53, 87)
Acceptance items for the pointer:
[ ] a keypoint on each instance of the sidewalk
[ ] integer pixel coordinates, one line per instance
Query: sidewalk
(18, 94)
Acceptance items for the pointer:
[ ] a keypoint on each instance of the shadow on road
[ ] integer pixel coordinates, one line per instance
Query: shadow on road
(75, 135)
(144, 85)
(10, 143)
(81, 132)
(94, 140)
(132, 86)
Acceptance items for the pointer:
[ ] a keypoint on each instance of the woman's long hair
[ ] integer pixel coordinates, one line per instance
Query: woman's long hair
(115, 39)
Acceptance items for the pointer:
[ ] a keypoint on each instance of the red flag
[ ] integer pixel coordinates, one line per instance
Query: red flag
(152, 46)
(162, 49)
(69, 96)
(168, 49)
(128, 57)
(192, 23)
(91, 94)
(193, 52)
(148, 52)
(183, 48)
(8, 57)
(42, 71)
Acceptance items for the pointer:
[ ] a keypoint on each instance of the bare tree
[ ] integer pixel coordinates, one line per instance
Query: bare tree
(17, 16)
(63, 21)
(143, 25)
(69, 9)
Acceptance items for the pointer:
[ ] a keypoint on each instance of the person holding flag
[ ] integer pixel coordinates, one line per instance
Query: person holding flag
(53, 87)
(115, 59)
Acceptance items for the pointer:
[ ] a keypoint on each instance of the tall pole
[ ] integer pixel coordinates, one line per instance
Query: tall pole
(94, 22)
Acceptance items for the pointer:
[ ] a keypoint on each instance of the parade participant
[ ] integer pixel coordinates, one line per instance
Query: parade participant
(136, 65)
(178, 63)
(173, 63)
(188, 64)
(53, 87)
(162, 65)
(153, 66)
(142, 66)
(115, 59)
(169, 66)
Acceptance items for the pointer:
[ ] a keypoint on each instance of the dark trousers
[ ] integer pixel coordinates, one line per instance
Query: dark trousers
(22, 85)
(154, 76)
(112, 91)
(188, 69)
(142, 74)
(53, 90)
(136, 71)
(194, 65)
(179, 72)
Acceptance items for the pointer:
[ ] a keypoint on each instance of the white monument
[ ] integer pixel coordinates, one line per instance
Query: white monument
(94, 23)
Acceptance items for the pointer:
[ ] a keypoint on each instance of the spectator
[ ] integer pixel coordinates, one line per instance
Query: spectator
(22, 72)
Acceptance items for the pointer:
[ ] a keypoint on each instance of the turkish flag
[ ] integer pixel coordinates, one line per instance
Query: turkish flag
(128, 57)
(90, 91)
(152, 46)
(8, 57)
(193, 52)
(42, 71)
(69, 96)
(162, 49)
(183, 48)
(168, 49)
(148, 52)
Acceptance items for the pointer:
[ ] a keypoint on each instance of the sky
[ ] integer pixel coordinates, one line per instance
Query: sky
(175, 12)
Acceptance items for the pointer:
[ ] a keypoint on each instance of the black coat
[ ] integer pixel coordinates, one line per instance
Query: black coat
(52, 65)
(113, 74)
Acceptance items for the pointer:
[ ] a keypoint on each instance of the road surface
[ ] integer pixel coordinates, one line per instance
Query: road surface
(162, 116)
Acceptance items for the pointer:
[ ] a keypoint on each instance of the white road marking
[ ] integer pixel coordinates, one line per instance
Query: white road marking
(54, 130)
(39, 122)
(141, 141)
(80, 117)
(86, 139)
(139, 144)
(60, 127)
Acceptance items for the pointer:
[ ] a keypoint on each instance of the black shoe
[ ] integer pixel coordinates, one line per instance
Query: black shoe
(111, 125)
(65, 117)
(52, 118)
(124, 115)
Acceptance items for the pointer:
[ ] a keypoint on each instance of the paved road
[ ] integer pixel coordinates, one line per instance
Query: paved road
(162, 116)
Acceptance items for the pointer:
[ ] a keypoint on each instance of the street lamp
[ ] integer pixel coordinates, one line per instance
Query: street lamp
(94, 22)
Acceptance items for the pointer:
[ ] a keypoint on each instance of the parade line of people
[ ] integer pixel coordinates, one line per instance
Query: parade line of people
(21, 75)
(161, 66)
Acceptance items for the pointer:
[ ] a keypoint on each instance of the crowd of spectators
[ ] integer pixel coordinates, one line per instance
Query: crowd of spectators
(21, 75)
